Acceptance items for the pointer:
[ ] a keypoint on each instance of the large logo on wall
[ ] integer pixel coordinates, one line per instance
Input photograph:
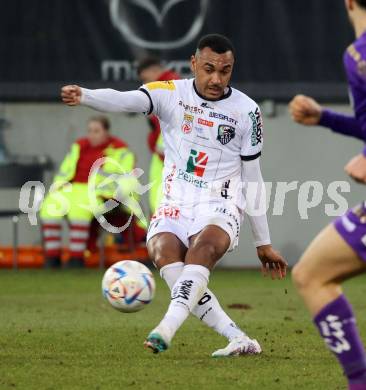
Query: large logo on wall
(123, 17)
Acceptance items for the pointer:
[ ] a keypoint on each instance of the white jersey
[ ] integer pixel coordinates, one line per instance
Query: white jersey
(205, 141)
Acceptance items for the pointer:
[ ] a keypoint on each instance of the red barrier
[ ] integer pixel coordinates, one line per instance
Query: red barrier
(32, 256)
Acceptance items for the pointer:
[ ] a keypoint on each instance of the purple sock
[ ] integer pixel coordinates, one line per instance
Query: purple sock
(337, 326)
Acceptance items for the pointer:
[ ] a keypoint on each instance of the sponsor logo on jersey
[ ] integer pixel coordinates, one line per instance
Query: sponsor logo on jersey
(204, 122)
(202, 137)
(206, 105)
(166, 212)
(360, 61)
(224, 190)
(191, 179)
(191, 109)
(223, 117)
(196, 166)
(225, 134)
(161, 85)
(169, 179)
(354, 53)
(187, 123)
(257, 126)
(200, 133)
(197, 162)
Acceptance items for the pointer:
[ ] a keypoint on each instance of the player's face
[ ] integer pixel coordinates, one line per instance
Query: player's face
(97, 134)
(212, 72)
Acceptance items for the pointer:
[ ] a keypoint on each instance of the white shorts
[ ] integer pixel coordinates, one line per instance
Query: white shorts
(184, 222)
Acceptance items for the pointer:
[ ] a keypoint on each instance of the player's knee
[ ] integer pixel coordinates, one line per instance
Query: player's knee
(205, 250)
(156, 252)
(301, 277)
(161, 252)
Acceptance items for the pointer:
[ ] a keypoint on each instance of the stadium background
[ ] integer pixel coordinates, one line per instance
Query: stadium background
(283, 47)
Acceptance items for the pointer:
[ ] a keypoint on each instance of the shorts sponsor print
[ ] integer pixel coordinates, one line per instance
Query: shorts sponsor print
(233, 220)
(352, 228)
(166, 212)
(185, 223)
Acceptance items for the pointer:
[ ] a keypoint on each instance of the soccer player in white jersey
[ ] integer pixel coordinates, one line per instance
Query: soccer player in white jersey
(213, 140)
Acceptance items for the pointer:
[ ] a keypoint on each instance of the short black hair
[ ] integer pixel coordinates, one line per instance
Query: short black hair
(147, 62)
(217, 43)
(361, 3)
(103, 120)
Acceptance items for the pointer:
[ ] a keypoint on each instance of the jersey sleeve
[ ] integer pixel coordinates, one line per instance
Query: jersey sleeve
(110, 100)
(161, 95)
(355, 65)
(252, 142)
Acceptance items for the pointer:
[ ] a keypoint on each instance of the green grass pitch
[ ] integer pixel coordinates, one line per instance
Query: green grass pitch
(56, 332)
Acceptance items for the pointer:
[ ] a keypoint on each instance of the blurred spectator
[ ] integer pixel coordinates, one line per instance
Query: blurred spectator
(150, 69)
(75, 202)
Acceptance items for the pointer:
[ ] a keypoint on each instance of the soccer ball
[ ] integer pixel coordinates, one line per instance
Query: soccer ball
(128, 286)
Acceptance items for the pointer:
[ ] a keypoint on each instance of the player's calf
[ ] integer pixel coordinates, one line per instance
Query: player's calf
(208, 309)
(186, 292)
(205, 250)
(328, 261)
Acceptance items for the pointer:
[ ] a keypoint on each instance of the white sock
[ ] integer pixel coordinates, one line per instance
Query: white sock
(208, 309)
(171, 272)
(186, 292)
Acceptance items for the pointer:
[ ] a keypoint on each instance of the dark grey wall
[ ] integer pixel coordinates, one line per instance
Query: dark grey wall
(279, 43)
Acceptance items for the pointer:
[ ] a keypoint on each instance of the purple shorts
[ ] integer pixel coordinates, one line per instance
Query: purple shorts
(352, 227)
